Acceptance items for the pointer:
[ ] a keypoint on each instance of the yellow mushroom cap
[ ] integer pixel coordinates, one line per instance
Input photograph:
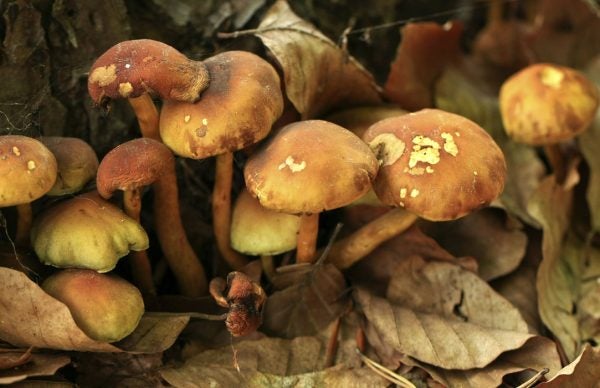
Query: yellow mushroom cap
(436, 164)
(238, 108)
(27, 170)
(545, 104)
(310, 166)
(105, 307)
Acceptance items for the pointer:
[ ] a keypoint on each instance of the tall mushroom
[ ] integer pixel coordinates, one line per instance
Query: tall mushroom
(27, 171)
(241, 103)
(138, 163)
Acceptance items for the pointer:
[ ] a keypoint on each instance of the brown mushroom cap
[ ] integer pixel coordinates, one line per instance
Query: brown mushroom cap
(436, 164)
(77, 163)
(256, 230)
(27, 170)
(105, 307)
(134, 67)
(310, 166)
(133, 164)
(545, 104)
(86, 232)
(238, 108)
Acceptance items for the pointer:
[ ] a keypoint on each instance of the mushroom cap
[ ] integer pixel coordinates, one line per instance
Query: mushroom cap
(105, 307)
(77, 163)
(310, 166)
(85, 232)
(27, 170)
(436, 164)
(133, 164)
(357, 120)
(134, 67)
(545, 104)
(238, 108)
(256, 230)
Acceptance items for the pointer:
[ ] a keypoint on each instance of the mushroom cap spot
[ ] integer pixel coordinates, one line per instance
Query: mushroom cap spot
(238, 108)
(453, 191)
(77, 163)
(449, 144)
(27, 170)
(387, 148)
(256, 230)
(125, 89)
(338, 169)
(546, 104)
(106, 307)
(85, 232)
(103, 75)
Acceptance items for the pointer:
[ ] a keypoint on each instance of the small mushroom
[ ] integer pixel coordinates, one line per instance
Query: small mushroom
(241, 103)
(27, 171)
(138, 163)
(308, 167)
(105, 307)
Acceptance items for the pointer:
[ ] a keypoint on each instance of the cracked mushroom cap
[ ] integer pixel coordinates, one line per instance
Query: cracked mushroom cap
(238, 108)
(310, 166)
(105, 307)
(77, 163)
(436, 164)
(86, 232)
(27, 170)
(545, 104)
(256, 230)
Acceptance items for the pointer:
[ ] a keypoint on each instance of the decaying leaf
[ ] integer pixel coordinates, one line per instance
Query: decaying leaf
(495, 242)
(308, 299)
(582, 372)
(318, 75)
(37, 365)
(37, 319)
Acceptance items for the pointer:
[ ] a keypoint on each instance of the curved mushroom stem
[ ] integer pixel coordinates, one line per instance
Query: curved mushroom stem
(344, 253)
(141, 269)
(221, 208)
(147, 115)
(307, 238)
(556, 158)
(24, 220)
(176, 247)
(267, 266)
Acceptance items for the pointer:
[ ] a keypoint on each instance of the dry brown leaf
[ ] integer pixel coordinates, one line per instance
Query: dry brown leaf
(38, 365)
(33, 318)
(318, 75)
(307, 300)
(495, 242)
(582, 372)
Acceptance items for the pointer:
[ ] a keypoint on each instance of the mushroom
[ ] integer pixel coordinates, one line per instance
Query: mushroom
(308, 167)
(238, 108)
(437, 165)
(105, 307)
(138, 163)
(137, 69)
(85, 232)
(545, 104)
(27, 171)
(77, 163)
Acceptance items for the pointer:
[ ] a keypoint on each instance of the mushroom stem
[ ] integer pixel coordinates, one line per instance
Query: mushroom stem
(268, 266)
(556, 158)
(141, 269)
(147, 115)
(307, 238)
(351, 249)
(221, 208)
(24, 220)
(175, 245)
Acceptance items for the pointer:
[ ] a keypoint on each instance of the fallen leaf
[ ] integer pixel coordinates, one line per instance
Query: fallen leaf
(307, 300)
(589, 144)
(582, 372)
(118, 370)
(494, 241)
(39, 365)
(318, 75)
(30, 317)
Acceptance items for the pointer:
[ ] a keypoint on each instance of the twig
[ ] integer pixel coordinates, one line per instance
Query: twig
(529, 383)
(385, 372)
(206, 317)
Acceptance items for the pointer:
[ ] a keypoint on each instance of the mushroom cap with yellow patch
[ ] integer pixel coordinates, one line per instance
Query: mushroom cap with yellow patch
(545, 104)
(436, 164)
(310, 166)
(256, 230)
(27, 170)
(105, 307)
(86, 232)
(241, 103)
